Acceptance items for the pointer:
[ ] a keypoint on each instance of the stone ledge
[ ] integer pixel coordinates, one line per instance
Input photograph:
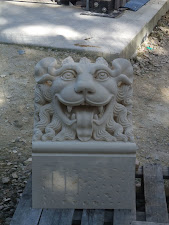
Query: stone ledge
(90, 147)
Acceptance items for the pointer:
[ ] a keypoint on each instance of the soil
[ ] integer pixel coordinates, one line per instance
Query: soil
(150, 108)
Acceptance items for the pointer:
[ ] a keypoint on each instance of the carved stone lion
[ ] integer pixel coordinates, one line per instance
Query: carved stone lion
(83, 100)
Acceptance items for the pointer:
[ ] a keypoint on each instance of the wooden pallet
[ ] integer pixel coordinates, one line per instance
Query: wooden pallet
(150, 201)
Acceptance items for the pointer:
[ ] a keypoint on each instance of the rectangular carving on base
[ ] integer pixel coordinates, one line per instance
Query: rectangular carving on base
(83, 155)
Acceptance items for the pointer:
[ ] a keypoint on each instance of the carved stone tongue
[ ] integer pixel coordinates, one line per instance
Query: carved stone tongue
(84, 116)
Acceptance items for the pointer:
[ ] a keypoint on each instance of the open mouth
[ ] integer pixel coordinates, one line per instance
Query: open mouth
(84, 114)
(72, 111)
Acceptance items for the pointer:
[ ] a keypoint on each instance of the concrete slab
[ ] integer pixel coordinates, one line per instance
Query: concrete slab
(55, 26)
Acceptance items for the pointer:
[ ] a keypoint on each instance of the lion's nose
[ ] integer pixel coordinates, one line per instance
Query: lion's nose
(86, 87)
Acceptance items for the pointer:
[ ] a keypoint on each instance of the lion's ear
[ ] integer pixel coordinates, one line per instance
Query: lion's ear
(42, 71)
(123, 79)
(122, 66)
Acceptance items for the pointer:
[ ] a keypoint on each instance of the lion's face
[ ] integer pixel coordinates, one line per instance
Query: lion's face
(84, 88)
(84, 94)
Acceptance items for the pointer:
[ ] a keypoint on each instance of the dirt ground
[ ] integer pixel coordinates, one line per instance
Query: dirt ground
(150, 109)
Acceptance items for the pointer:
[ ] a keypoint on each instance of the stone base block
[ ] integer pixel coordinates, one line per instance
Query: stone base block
(102, 178)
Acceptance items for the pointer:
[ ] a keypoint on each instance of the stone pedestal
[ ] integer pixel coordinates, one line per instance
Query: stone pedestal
(83, 150)
(91, 175)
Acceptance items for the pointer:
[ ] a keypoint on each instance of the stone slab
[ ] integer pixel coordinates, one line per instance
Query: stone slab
(64, 28)
(83, 181)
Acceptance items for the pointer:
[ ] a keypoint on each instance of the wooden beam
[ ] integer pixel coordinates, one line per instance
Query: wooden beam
(92, 217)
(139, 172)
(108, 215)
(124, 216)
(24, 214)
(147, 223)
(155, 200)
(140, 216)
(56, 217)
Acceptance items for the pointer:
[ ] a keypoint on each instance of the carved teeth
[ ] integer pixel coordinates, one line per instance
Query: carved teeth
(101, 110)
(73, 117)
(69, 109)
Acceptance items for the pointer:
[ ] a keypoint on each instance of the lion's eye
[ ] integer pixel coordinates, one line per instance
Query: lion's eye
(101, 75)
(68, 75)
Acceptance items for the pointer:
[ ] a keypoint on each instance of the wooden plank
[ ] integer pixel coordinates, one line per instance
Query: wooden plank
(92, 217)
(140, 216)
(139, 172)
(165, 172)
(56, 217)
(124, 216)
(108, 215)
(24, 214)
(147, 223)
(155, 200)
(77, 215)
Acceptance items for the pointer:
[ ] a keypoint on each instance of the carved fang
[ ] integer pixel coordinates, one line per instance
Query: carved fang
(60, 112)
(73, 117)
(101, 110)
(95, 117)
(69, 109)
(105, 115)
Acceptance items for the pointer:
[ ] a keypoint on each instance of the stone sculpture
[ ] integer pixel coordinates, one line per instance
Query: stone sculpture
(83, 100)
(83, 151)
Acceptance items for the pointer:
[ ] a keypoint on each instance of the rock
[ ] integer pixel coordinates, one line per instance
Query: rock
(156, 158)
(138, 72)
(14, 175)
(25, 119)
(14, 151)
(3, 75)
(17, 124)
(29, 160)
(21, 52)
(26, 162)
(6, 199)
(139, 59)
(5, 180)
(22, 140)
(11, 73)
